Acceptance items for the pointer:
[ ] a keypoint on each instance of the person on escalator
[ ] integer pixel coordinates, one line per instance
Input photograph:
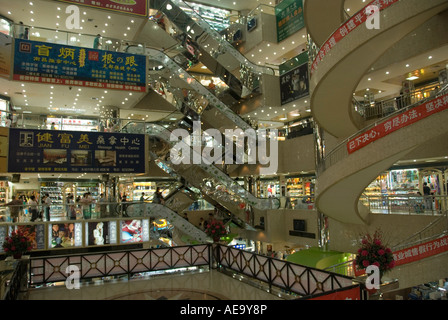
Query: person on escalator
(158, 198)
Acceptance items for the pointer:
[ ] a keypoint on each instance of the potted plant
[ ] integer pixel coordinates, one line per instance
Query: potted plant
(374, 252)
(216, 229)
(16, 244)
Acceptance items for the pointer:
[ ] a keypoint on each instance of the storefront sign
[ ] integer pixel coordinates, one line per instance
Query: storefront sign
(289, 16)
(294, 84)
(52, 63)
(135, 7)
(421, 251)
(75, 152)
(358, 19)
(395, 123)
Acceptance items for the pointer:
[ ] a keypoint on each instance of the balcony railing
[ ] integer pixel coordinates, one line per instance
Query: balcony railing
(407, 204)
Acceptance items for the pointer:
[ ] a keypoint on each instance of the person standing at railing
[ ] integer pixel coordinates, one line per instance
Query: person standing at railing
(427, 195)
(15, 207)
(33, 208)
(85, 202)
(47, 205)
(97, 42)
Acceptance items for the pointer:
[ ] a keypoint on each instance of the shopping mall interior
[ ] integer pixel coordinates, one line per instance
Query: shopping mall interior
(122, 162)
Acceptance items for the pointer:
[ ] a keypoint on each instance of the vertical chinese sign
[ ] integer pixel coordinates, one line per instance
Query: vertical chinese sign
(134, 7)
(75, 152)
(52, 63)
(289, 16)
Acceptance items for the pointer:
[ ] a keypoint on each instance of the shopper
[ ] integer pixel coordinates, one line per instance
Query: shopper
(288, 199)
(428, 196)
(103, 206)
(47, 206)
(97, 42)
(124, 206)
(33, 208)
(158, 198)
(85, 202)
(14, 208)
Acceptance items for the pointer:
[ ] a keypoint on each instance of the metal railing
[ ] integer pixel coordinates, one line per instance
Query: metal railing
(406, 204)
(297, 279)
(383, 108)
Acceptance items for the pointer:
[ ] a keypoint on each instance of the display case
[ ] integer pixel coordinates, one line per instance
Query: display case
(4, 187)
(54, 190)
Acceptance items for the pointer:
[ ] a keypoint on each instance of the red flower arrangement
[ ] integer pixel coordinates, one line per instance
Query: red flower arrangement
(16, 244)
(374, 252)
(216, 229)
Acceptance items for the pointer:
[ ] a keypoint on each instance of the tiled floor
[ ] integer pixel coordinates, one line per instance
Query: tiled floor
(207, 285)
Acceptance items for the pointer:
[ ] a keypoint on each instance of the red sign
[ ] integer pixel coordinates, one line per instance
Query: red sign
(421, 251)
(357, 20)
(395, 123)
(135, 7)
(349, 294)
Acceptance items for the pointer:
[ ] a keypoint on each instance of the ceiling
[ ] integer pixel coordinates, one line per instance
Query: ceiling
(50, 14)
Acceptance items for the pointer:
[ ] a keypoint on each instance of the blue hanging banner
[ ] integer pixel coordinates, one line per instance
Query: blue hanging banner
(53, 63)
(47, 151)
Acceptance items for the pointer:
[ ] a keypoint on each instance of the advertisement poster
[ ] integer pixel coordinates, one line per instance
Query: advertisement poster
(75, 152)
(135, 7)
(131, 231)
(62, 235)
(294, 84)
(289, 16)
(395, 123)
(53, 63)
(36, 235)
(98, 233)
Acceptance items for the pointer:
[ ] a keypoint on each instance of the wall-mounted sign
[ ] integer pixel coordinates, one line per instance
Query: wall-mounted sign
(289, 16)
(75, 152)
(135, 7)
(52, 63)
(399, 121)
(294, 84)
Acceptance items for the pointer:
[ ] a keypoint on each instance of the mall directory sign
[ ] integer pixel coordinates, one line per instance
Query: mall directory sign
(58, 64)
(134, 7)
(46, 151)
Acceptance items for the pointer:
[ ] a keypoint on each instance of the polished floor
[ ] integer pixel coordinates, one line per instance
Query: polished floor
(206, 285)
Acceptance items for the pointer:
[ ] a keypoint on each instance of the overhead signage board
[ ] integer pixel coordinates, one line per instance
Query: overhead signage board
(47, 151)
(52, 63)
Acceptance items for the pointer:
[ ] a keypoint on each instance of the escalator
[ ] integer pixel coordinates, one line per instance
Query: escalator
(343, 173)
(216, 53)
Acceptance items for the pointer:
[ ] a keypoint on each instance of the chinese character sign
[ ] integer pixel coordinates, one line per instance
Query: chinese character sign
(399, 121)
(134, 7)
(76, 66)
(75, 152)
(421, 251)
(289, 16)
